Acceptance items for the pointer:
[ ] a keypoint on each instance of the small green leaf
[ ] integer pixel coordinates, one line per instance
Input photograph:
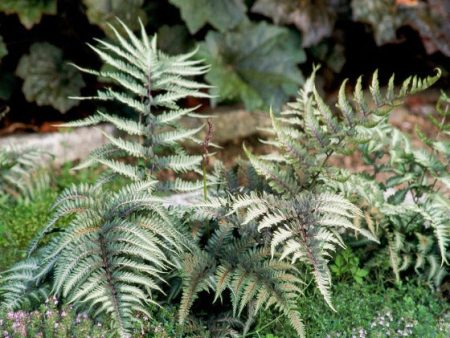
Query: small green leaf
(396, 180)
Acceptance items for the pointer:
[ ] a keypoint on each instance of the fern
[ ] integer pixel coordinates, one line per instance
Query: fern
(112, 256)
(149, 83)
(407, 206)
(22, 172)
(237, 269)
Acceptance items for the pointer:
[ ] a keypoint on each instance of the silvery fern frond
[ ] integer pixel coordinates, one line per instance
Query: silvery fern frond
(111, 258)
(150, 84)
(308, 132)
(23, 172)
(305, 228)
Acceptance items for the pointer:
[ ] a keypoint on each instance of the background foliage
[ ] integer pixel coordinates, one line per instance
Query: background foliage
(258, 49)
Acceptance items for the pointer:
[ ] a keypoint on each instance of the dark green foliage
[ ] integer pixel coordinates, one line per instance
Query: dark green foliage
(428, 18)
(263, 230)
(315, 19)
(260, 71)
(105, 12)
(221, 14)
(3, 49)
(48, 79)
(30, 12)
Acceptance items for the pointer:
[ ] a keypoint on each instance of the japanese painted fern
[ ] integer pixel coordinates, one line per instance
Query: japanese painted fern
(149, 83)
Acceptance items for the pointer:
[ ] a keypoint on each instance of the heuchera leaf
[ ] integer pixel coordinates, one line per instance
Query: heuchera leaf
(174, 40)
(29, 12)
(221, 14)
(428, 18)
(48, 79)
(256, 63)
(105, 12)
(315, 19)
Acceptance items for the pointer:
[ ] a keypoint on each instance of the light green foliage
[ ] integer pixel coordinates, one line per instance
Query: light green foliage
(48, 79)
(22, 172)
(256, 63)
(303, 220)
(368, 310)
(105, 12)
(30, 12)
(3, 49)
(405, 191)
(315, 19)
(346, 267)
(149, 83)
(21, 219)
(221, 14)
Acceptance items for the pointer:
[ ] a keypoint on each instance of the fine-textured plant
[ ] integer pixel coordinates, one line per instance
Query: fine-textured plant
(22, 172)
(110, 258)
(112, 255)
(150, 83)
(251, 243)
(233, 263)
(405, 194)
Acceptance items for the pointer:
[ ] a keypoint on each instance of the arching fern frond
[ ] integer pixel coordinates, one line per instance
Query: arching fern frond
(111, 258)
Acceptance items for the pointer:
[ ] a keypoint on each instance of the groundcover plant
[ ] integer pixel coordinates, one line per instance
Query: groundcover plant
(257, 235)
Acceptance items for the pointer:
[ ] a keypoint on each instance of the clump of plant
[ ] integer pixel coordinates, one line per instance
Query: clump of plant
(115, 247)
(52, 319)
(404, 193)
(250, 244)
(22, 172)
(346, 267)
